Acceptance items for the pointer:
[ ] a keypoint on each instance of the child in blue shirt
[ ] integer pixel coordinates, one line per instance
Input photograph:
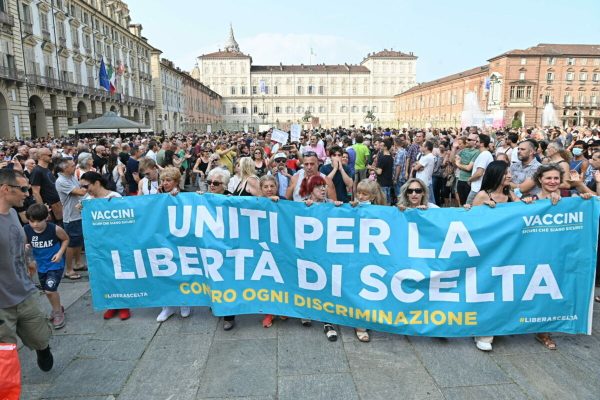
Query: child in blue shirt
(48, 243)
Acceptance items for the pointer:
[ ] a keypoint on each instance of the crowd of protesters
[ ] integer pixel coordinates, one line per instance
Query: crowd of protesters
(44, 184)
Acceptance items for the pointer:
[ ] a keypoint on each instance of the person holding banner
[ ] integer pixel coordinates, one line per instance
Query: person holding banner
(549, 178)
(414, 194)
(495, 188)
(169, 183)
(96, 187)
(367, 192)
(315, 191)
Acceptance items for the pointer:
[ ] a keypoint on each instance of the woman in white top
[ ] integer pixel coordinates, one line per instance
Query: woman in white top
(170, 178)
(149, 183)
(95, 185)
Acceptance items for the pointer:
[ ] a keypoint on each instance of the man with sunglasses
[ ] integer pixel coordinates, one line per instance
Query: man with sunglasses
(282, 173)
(20, 313)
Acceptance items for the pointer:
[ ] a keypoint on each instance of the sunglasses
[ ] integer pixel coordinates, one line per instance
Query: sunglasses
(24, 189)
(417, 191)
(214, 183)
(281, 160)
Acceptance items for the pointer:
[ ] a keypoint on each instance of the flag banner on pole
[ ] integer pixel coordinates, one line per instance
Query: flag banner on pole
(103, 76)
(518, 268)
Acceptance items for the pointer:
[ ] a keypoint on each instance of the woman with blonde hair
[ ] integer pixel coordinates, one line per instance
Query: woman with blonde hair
(248, 185)
(169, 183)
(414, 194)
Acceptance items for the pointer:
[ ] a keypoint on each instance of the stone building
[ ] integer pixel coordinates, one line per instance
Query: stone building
(183, 104)
(513, 89)
(326, 95)
(50, 54)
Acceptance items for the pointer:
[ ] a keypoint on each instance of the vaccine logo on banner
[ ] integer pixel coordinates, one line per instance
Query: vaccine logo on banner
(113, 217)
(559, 222)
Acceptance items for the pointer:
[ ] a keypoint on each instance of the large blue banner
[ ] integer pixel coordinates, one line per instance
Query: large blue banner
(518, 268)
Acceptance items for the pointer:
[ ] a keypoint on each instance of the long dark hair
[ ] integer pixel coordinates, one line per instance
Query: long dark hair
(494, 177)
(168, 160)
(93, 177)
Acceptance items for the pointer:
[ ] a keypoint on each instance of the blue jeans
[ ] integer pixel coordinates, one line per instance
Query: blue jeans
(388, 194)
(398, 185)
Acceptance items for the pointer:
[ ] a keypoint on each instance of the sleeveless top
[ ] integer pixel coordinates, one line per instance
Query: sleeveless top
(240, 190)
(260, 171)
(202, 166)
(45, 245)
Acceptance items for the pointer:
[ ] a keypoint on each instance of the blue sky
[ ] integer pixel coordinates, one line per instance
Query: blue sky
(447, 36)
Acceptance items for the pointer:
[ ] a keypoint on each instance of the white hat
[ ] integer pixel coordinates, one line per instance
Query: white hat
(279, 155)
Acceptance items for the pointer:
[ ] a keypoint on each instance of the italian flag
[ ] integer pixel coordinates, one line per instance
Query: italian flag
(112, 76)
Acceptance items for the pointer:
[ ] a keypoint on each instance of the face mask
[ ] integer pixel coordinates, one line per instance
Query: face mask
(577, 151)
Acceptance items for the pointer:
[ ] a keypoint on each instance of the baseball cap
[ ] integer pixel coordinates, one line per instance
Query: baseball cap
(280, 155)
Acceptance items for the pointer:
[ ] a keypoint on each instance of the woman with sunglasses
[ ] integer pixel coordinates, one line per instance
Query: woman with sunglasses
(170, 178)
(96, 186)
(260, 164)
(414, 194)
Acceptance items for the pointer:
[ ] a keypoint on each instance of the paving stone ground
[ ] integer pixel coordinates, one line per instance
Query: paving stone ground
(194, 359)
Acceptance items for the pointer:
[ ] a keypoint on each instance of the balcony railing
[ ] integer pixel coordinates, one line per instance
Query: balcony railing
(12, 73)
(62, 41)
(549, 81)
(89, 90)
(46, 35)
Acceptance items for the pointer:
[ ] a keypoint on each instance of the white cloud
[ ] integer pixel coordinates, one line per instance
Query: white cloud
(273, 48)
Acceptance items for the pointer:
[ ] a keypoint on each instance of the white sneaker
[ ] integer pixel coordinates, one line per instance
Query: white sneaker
(165, 314)
(185, 311)
(483, 346)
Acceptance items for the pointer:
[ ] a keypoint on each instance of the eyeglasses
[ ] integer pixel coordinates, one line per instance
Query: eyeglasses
(24, 189)
(214, 183)
(417, 191)
(472, 140)
(281, 160)
(85, 186)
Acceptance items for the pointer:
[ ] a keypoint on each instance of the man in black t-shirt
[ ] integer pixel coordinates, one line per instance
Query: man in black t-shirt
(42, 185)
(339, 174)
(385, 169)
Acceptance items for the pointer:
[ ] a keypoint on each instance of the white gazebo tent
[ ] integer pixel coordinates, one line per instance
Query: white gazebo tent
(108, 123)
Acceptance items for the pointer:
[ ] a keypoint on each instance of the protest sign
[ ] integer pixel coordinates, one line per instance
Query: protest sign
(295, 132)
(279, 136)
(439, 272)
